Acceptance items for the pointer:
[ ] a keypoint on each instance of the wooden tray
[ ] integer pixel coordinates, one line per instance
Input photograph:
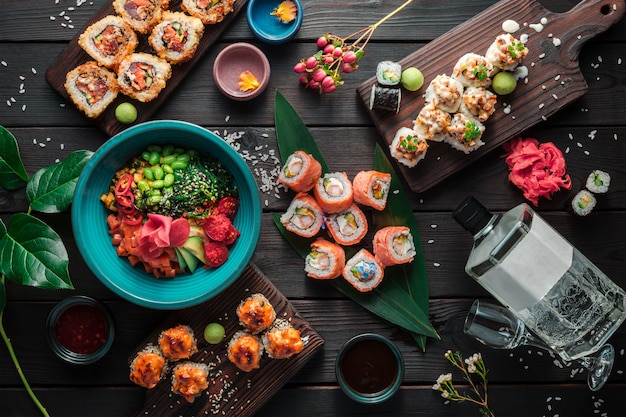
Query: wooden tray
(554, 77)
(231, 392)
(73, 55)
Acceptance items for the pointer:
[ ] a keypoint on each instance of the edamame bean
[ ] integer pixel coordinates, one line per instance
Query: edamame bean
(168, 190)
(154, 159)
(179, 164)
(158, 172)
(154, 148)
(167, 160)
(183, 157)
(143, 185)
(148, 173)
(157, 184)
(153, 200)
(145, 155)
(154, 191)
(167, 150)
(168, 181)
(168, 169)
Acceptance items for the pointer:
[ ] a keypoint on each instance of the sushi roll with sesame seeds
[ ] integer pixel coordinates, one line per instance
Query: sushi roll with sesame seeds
(304, 216)
(245, 351)
(583, 203)
(176, 37)
(445, 93)
(598, 182)
(256, 313)
(282, 341)
(178, 342)
(465, 133)
(148, 367)
(141, 15)
(407, 147)
(190, 379)
(109, 40)
(363, 271)
(473, 70)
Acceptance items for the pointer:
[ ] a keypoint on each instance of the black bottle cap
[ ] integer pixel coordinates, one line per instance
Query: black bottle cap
(472, 215)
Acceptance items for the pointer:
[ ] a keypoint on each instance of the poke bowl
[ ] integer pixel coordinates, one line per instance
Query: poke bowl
(93, 232)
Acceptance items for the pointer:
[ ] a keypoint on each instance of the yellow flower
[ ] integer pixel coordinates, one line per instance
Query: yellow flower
(247, 81)
(286, 11)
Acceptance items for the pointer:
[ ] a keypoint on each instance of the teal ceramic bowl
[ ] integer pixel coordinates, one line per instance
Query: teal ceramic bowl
(267, 27)
(91, 230)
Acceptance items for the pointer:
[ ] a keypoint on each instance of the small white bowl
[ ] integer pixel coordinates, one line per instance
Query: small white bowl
(235, 59)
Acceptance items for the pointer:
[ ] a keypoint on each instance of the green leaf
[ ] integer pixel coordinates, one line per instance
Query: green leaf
(12, 172)
(3, 296)
(33, 254)
(51, 189)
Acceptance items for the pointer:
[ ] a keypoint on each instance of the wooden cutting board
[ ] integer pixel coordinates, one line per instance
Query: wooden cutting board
(231, 392)
(554, 77)
(73, 56)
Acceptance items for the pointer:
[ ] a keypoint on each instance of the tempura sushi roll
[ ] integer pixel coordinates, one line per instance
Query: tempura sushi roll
(178, 342)
(300, 172)
(209, 11)
(333, 192)
(388, 73)
(445, 93)
(479, 102)
(142, 15)
(256, 313)
(176, 37)
(473, 70)
(109, 40)
(385, 98)
(190, 379)
(245, 351)
(465, 133)
(432, 122)
(583, 203)
(325, 260)
(408, 147)
(363, 271)
(506, 52)
(142, 76)
(393, 245)
(371, 188)
(348, 227)
(91, 88)
(303, 216)
(148, 367)
(282, 341)
(598, 182)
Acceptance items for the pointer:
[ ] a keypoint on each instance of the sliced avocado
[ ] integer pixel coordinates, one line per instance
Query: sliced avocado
(181, 259)
(195, 245)
(190, 259)
(196, 230)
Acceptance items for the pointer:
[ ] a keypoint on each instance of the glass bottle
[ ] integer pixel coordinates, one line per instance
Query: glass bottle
(557, 292)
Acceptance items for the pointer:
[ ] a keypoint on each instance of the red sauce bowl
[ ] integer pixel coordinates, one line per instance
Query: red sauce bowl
(80, 330)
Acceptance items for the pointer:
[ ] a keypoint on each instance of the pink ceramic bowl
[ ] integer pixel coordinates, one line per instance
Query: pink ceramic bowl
(235, 59)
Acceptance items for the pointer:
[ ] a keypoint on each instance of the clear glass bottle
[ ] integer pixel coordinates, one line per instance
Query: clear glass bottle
(557, 292)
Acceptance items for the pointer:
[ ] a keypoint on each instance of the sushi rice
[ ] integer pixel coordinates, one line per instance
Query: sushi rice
(598, 182)
(583, 203)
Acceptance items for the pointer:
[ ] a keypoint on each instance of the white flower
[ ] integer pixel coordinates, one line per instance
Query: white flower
(445, 394)
(437, 386)
(471, 368)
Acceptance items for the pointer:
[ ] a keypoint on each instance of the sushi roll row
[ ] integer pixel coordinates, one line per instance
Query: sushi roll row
(386, 94)
(584, 201)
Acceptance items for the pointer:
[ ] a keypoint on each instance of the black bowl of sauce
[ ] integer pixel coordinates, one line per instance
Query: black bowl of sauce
(369, 368)
(80, 330)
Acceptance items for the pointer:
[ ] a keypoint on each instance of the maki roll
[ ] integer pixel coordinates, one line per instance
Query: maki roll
(598, 182)
(189, 379)
(506, 52)
(333, 192)
(347, 227)
(445, 93)
(176, 37)
(282, 341)
(91, 88)
(325, 260)
(388, 73)
(478, 102)
(109, 40)
(142, 76)
(465, 132)
(245, 351)
(300, 172)
(178, 342)
(363, 271)
(256, 313)
(141, 15)
(148, 367)
(473, 70)
(394, 245)
(385, 98)
(408, 147)
(583, 203)
(371, 188)
(303, 216)
(431, 122)
(209, 12)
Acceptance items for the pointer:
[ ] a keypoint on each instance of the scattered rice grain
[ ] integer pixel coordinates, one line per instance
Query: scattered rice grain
(33, 70)
(24, 107)
(4, 63)
(436, 264)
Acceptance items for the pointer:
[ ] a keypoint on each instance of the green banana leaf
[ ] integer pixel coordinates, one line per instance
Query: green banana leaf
(402, 298)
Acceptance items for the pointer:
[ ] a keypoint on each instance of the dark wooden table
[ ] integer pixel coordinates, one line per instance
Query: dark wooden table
(523, 382)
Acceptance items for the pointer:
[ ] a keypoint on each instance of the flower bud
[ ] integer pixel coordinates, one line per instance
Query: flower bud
(329, 89)
(314, 84)
(319, 74)
(337, 52)
(328, 81)
(311, 62)
(299, 68)
(328, 59)
(304, 79)
(347, 68)
(322, 42)
(328, 49)
(349, 57)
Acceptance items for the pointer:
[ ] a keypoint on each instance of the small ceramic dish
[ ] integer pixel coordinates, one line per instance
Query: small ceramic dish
(236, 59)
(80, 330)
(268, 27)
(369, 368)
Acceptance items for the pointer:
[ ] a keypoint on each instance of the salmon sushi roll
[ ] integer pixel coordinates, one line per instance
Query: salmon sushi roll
(325, 260)
(190, 379)
(178, 342)
(478, 102)
(176, 37)
(148, 367)
(282, 341)
(363, 271)
(371, 188)
(304, 216)
(333, 192)
(245, 351)
(209, 11)
(141, 15)
(394, 245)
(465, 133)
(506, 52)
(431, 122)
(300, 172)
(142, 76)
(91, 88)
(408, 147)
(108, 41)
(445, 93)
(473, 70)
(348, 227)
(256, 313)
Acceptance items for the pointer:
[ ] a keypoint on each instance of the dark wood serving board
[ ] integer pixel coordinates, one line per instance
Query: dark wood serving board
(73, 55)
(231, 392)
(554, 77)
